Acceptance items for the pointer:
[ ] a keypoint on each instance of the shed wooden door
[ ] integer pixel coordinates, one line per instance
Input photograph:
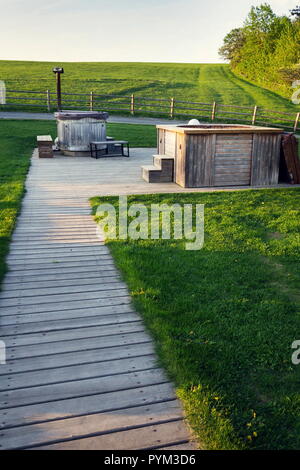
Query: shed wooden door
(265, 159)
(199, 160)
(232, 162)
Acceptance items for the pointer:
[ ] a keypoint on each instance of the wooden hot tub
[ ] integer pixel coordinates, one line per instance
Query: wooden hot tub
(221, 155)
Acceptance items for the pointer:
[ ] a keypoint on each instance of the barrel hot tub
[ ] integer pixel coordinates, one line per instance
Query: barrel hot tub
(221, 155)
(76, 129)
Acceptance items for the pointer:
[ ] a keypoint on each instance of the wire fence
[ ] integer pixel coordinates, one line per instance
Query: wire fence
(167, 107)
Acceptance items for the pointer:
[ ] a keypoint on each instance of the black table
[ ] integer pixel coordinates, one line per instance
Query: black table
(109, 148)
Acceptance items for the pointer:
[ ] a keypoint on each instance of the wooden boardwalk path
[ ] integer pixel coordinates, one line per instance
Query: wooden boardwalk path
(81, 372)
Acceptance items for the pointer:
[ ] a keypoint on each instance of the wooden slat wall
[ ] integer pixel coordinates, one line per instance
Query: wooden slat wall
(232, 165)
(76, 135)
(200, 150)
(265, 159)
(170, 144)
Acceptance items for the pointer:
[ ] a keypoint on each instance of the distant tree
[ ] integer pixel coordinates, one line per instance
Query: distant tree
(260, 19)
(296, 11)
(266, 49)
(233, 43)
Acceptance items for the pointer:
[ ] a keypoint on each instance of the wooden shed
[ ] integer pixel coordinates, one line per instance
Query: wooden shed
(221, 155)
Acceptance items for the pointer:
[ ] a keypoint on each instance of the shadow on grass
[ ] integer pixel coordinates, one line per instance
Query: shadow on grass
(254, 90)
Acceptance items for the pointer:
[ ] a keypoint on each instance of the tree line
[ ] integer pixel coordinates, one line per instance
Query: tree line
(266, 49)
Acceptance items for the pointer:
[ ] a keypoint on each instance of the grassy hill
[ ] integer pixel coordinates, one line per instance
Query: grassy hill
(189, 82)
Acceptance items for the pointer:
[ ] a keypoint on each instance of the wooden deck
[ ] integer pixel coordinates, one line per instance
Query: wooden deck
(81, 371)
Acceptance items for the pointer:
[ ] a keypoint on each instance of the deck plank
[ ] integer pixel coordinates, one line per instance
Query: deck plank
(63, 346)
(67, 359)
(63, 430)
(71, 373)
(94, 403)
(71, 334)
(47, 326)
(72, 314)
(78, 388)
(154, 436)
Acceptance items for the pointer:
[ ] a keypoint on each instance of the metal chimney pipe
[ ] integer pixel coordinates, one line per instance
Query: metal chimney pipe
(58, 71)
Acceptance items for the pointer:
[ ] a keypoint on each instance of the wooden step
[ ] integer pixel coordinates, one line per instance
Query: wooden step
(165, 163)
(163, 158)
(152, 174)
(161, 172)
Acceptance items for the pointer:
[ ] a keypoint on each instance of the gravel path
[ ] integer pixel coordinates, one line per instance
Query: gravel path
(112, 119)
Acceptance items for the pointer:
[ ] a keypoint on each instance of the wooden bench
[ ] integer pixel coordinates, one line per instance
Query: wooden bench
(111, 148)
(45, 143)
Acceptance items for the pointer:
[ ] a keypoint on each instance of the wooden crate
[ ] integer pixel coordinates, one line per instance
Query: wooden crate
(45, 143)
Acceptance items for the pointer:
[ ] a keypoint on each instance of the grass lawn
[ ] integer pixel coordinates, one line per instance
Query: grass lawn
(188, 82)
(138, 135)
(224, 318)
(17, 140)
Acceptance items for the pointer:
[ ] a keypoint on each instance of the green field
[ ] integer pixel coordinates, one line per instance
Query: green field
(185, 82)
(224, 318)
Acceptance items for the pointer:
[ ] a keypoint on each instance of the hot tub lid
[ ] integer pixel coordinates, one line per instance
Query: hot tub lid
(77, 115)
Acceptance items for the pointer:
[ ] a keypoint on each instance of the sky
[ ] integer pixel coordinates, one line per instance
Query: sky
(188, 31)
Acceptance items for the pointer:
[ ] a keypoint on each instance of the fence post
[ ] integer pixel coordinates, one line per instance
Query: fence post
(214, 111)
(254, 115)
(172, 107)
(296, 122)
(48, 101)
(132, 103)
(91, 101)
